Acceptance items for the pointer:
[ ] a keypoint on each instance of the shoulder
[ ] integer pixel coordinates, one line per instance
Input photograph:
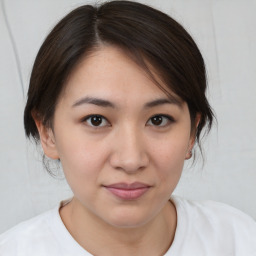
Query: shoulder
(216, 225)
(219, 215)
(20, 238)
(42, 235)
(208, 207)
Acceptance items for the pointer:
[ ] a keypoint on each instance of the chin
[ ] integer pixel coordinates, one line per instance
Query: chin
(127, 219)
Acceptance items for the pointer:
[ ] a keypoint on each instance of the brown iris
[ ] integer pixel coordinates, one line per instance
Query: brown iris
(96, 120)
(157, 120)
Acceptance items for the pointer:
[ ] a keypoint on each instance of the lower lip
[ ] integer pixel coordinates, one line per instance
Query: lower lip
(128, 194)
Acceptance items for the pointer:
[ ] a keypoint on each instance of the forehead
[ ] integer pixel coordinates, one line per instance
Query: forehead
(110, 72)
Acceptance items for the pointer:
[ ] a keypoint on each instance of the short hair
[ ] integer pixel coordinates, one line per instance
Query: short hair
(147, 35)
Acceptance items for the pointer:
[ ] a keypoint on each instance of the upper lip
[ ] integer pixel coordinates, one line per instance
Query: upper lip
(128, 186)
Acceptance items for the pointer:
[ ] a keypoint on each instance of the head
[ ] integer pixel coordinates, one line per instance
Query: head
(139, 69)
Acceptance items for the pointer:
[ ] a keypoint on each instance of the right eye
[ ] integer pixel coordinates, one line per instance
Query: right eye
(96, 121)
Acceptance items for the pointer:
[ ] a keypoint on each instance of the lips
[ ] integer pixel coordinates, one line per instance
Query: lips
(128, 191)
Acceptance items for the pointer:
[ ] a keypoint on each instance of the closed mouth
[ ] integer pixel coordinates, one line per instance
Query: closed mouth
(128, 191)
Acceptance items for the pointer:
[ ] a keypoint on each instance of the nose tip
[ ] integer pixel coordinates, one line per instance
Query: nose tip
(129, 155)
(129, 164)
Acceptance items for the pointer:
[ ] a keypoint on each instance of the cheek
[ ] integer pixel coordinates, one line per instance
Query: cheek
(82, 164)
(169, 157)
(81, 158)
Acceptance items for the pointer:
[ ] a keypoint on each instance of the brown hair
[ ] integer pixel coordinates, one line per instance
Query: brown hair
(146, 34)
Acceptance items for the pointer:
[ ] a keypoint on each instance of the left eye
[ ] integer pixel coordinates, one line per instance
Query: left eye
(159, 120)
(96, 121)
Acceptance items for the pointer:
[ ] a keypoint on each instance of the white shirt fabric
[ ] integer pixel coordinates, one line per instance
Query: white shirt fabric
(203, 229)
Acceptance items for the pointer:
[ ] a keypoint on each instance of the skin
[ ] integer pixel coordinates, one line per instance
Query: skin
(127, 146)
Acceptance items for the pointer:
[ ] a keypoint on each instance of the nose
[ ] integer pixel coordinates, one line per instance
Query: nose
(129, 151)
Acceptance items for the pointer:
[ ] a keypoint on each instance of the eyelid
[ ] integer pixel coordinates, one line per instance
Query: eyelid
(86, 118)
(170, 119)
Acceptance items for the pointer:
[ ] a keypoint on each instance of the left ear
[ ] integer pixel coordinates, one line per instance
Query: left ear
(193, 137)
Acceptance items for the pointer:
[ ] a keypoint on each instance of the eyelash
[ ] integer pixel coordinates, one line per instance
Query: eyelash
(169, 119)
(85, 119)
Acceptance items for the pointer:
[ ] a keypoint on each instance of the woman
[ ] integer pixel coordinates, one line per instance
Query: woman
(117, 95)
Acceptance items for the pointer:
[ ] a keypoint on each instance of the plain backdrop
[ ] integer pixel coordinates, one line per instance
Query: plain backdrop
(224, 31)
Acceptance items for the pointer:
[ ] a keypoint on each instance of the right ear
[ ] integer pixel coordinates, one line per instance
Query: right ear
(47, 139)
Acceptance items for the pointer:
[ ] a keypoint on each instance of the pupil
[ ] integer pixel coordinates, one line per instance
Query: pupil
(157, 120)
(96, 120)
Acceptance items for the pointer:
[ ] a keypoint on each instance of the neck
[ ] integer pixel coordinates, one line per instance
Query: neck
(100, 238)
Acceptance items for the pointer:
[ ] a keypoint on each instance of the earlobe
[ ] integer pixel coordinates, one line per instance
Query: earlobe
(47, 140)
(190, 148)
(193, 137)
(189, 154)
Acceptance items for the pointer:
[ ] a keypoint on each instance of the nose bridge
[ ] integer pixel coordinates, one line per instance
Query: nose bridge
(130, 152)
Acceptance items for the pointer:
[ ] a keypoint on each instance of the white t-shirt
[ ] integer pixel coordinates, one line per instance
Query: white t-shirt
(203, 229)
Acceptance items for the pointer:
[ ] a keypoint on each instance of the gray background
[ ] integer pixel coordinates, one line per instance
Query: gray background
(226, 34)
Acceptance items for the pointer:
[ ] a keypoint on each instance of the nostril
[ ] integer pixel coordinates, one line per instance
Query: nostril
(129, 164)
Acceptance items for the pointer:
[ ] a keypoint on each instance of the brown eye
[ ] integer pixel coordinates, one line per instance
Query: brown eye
(96, 121)
(160, 120)
(156, 120)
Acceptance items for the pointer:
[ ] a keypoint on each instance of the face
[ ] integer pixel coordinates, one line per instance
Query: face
(121, 141)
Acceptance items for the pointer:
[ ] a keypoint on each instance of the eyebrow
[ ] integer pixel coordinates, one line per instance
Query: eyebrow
(94, 101)
(105, 103)
(157, 102)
